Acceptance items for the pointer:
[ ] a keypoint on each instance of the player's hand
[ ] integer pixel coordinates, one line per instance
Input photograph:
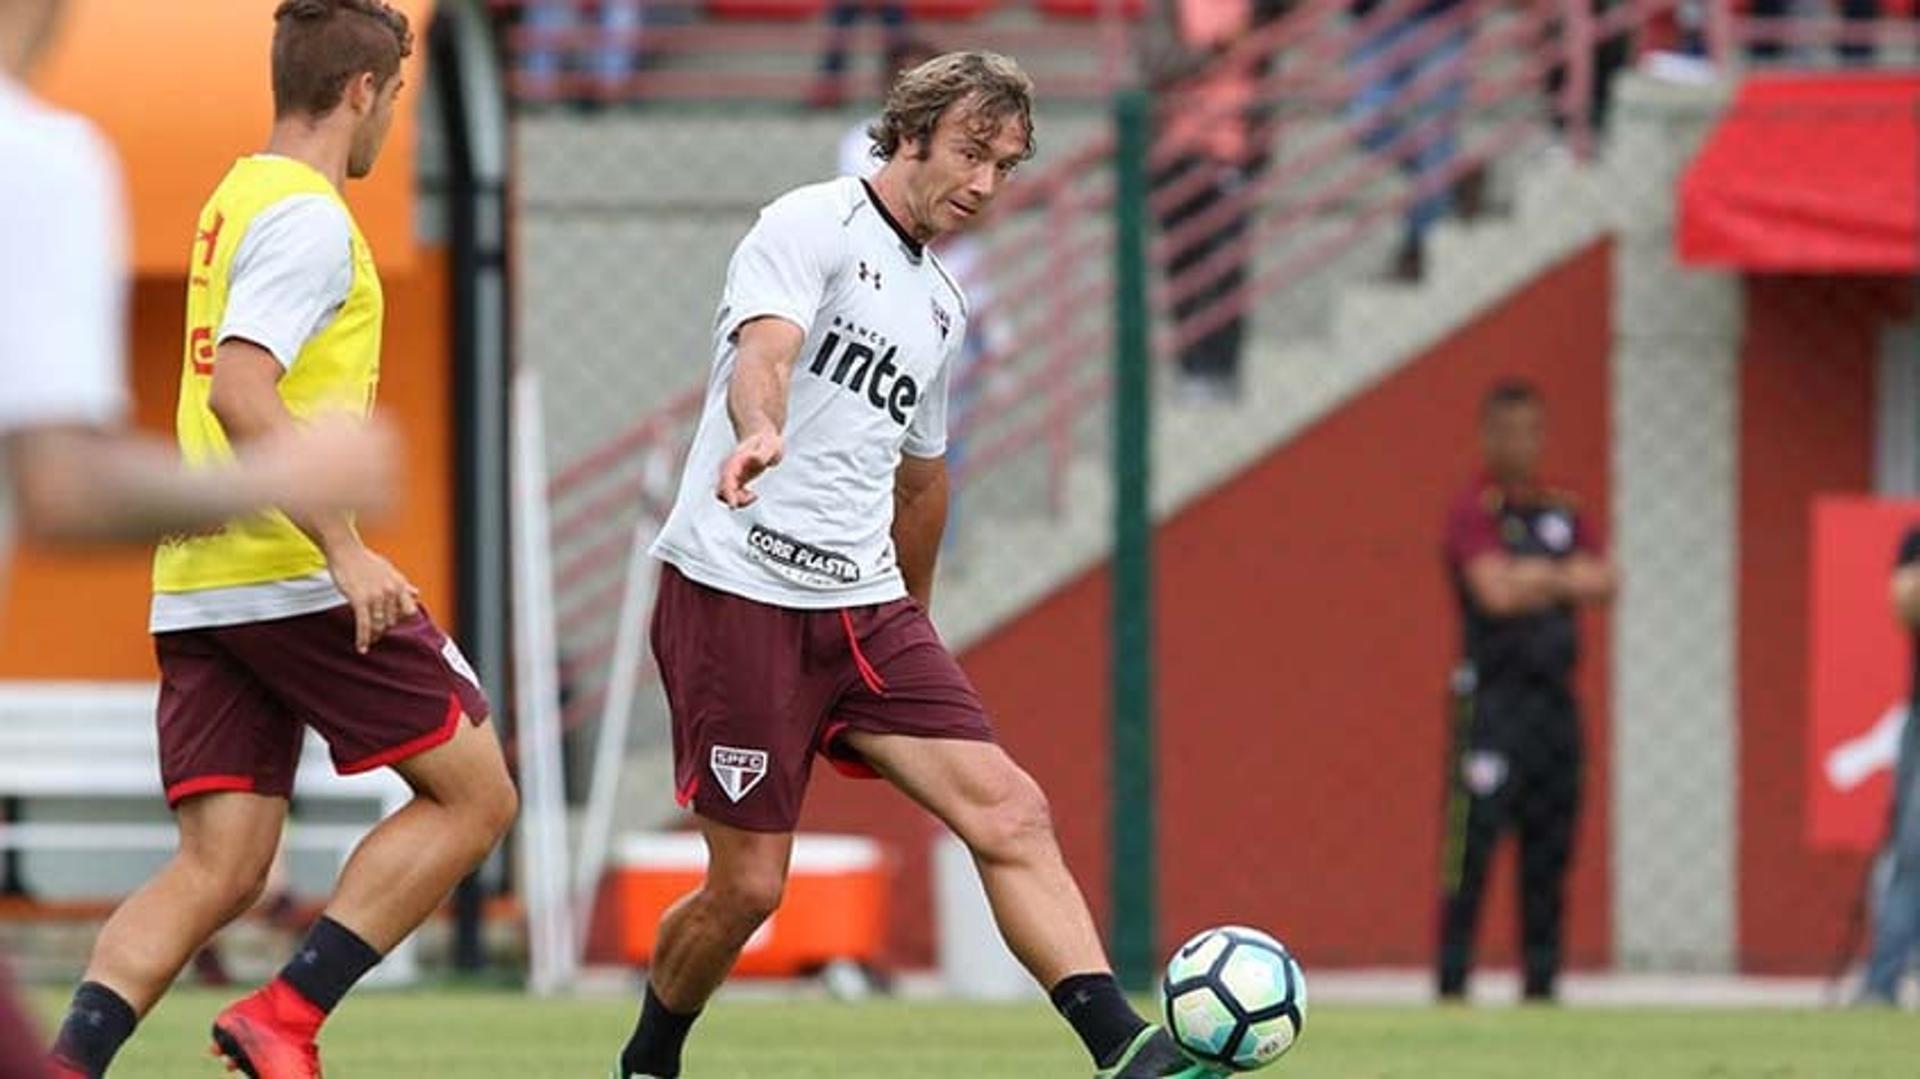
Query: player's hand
(754, 455)
(1587, 579)
(333, 464)
(381, 595)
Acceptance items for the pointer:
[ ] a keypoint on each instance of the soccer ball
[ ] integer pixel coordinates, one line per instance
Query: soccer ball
(1234, 998)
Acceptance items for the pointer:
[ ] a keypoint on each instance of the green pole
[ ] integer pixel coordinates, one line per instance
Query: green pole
(1133, 879)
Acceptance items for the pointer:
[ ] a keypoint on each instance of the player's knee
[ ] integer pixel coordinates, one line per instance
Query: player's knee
(1014, 823)
(483, 802)
(228, 883)
(746, 899)
(496, 809)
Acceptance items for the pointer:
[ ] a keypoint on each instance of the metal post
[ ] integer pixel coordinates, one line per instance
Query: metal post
(1133, 879)
(473, 112)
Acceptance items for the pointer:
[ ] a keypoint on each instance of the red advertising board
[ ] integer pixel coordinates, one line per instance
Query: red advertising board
(1859, 669)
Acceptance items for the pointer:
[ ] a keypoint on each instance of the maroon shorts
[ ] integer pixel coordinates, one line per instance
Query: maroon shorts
(234, 699)
(757, 690)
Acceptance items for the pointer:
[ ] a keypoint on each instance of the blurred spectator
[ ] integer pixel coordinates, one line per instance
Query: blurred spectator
(552, 54)
(1609, 56)
(1209, 152)
(1896, 921)
(1419, 125)
(831, 90)
(1522, 560)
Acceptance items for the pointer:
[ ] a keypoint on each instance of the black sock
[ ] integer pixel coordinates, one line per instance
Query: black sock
(654, 1048)
(1098, 1011)
(98, 1023)
(327, 963)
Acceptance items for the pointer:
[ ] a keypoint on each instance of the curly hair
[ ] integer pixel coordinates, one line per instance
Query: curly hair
(991, 86)
(320, 45)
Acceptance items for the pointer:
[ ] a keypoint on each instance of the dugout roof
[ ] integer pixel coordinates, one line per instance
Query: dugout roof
(182, 88)
(1809, 174)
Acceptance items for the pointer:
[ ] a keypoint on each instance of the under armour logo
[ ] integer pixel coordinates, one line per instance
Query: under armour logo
(866, 273)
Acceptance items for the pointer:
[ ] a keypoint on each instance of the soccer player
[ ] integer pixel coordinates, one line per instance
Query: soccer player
(792, 612)
(271, 622)
(1523, 560)
(77, 476)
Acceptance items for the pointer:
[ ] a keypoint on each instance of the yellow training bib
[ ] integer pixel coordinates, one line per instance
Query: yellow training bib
(338, 368)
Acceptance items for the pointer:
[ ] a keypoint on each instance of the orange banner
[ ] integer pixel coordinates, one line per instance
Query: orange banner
(182, 89)
(1860, 669)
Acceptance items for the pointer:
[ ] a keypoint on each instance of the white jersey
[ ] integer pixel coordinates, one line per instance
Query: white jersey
(883, 323)
(63, 276)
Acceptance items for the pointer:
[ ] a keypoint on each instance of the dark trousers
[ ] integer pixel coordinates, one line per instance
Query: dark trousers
(1609, 58)
(840, 19)
(1216, 353)
(1515, 766)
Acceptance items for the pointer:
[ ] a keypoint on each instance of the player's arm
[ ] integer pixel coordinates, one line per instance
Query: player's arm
(87, 484)
(1505, 585)
(245, 398)
(77, 474)
(776, 285)
(1587, 578)
(919, 520)
(765, 351)
(1587, 575)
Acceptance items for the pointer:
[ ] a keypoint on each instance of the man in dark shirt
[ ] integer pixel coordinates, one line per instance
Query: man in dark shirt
(1522, 560)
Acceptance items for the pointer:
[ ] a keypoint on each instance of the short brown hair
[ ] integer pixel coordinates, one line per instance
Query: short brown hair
(995, 85)
(320, 45)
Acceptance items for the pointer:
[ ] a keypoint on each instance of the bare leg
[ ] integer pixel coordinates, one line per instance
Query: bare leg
(227, 844)
(701, 935)
(1000, 813)
(463, 803)
(700, 938)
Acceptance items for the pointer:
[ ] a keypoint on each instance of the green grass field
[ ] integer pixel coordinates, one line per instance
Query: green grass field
(466, 1033)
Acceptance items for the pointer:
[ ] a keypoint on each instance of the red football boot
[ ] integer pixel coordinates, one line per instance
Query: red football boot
(269, 1034)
